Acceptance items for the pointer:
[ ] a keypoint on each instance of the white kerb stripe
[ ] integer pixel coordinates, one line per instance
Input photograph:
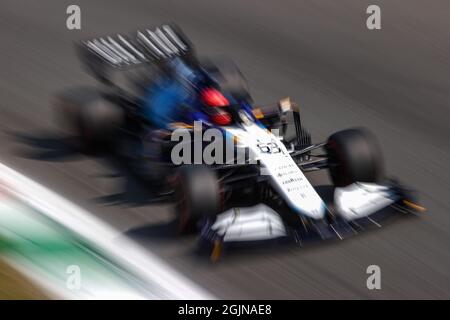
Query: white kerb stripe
(171, 284)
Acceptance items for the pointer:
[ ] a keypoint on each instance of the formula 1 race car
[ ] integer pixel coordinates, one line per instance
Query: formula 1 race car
(255, 192)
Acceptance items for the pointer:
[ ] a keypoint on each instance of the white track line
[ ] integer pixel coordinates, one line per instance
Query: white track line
(167, 283)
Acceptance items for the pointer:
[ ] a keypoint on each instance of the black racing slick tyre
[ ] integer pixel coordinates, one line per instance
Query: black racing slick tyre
(197, 196)
(354, 156)
(89, 116)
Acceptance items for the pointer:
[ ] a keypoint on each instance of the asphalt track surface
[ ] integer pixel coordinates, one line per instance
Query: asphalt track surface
(395, 81)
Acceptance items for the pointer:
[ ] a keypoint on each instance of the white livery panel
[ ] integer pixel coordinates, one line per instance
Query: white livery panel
(284, 173)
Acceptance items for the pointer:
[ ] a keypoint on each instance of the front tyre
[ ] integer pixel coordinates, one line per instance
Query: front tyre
(354, 156)
(197, 196)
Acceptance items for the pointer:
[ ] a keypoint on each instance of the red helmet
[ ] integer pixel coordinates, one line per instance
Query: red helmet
(222, 118)
(213, 98)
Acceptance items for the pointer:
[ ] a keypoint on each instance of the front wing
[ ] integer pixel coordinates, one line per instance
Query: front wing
(353, 209)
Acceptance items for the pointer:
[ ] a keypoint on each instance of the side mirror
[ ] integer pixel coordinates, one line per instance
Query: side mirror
(286, 104)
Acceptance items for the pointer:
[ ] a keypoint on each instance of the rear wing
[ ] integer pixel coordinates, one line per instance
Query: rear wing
(121, 52)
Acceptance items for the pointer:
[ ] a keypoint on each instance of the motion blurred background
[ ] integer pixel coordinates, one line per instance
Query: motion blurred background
(395, 81)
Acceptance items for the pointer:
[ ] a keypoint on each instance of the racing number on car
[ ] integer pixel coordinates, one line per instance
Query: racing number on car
(270, 147)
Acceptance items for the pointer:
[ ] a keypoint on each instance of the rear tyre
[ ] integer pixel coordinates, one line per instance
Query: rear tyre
(89, 116)
(197, 196)
(354, 156)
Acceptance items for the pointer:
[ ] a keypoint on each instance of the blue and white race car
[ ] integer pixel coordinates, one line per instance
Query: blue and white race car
(237, 173)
